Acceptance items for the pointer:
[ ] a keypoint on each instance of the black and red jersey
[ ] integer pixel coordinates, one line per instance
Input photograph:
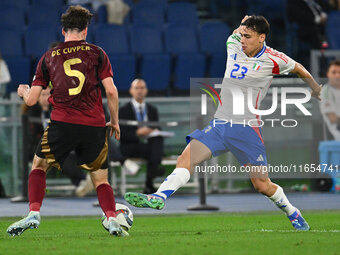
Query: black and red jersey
(75, 69)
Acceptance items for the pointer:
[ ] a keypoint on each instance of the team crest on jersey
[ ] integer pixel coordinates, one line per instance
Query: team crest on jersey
(257, 65)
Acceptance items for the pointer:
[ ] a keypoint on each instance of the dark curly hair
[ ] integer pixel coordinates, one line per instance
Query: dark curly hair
(76, 17)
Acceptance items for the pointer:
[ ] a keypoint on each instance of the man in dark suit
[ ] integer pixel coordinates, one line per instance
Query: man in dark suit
(133, 139)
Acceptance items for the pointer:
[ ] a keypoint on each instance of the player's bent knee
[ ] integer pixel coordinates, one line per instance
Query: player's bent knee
(261, 185)
(40, 163)
(99, 177)
(183, 161)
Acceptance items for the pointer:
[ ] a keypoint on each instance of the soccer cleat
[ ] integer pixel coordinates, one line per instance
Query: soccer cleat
(144, 200)
(298, 222)
(31, 221)
(115, 229)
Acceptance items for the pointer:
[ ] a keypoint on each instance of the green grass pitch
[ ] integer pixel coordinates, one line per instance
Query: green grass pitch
(212, 233)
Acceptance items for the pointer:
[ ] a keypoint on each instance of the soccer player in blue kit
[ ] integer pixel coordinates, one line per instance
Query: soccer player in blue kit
(251, 64)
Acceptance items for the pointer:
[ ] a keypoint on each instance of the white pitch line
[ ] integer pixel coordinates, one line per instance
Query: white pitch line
(312, 230)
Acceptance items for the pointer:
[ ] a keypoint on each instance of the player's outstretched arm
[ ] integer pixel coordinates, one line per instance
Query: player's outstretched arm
(112, 102)
(30, 95)
(302, 73)
(237, 30)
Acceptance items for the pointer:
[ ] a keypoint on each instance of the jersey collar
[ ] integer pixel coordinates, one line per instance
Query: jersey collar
(261, 51)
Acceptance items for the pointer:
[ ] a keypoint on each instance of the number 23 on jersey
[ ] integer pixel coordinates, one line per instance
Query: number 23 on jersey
(237, 67)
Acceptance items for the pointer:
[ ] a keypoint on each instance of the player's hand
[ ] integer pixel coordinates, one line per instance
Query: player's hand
(23, 89)
(237, 30)
(316, 92)
(114, 128)
(245, 18)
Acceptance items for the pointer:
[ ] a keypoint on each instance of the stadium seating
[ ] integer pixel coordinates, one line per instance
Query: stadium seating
(12, 45)
(53, 4)
(180, 39)
(43, 16)
(145, 40)
(155, 70)
(102, 15)
(217, 65)
(19, 4)
(124, 70)
(213, 37)
(91, 33)
(159, 3)
(37, 40)
(112, 38)
(148, 14)
(188, 66)
(129, 2)
(12, 18)
(271, 9)
(183, 13)
(19, 68)
(333, 30)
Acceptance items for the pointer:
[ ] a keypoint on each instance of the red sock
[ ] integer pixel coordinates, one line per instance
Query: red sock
(106, 200)
(36, 189)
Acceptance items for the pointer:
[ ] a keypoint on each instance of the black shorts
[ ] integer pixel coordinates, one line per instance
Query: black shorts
(89, 143)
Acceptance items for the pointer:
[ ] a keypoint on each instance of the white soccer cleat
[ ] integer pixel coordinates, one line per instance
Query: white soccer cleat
(115, 229)
(131, 167)
(85, 186)
(31, 221)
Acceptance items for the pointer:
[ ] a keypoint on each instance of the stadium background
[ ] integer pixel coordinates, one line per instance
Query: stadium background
(165, 43)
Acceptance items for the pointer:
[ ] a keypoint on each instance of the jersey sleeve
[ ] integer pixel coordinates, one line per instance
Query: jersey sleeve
(286, 64)
(233, 42)
(327, 104)
(41, 77)
(282, 64)
(105, 69)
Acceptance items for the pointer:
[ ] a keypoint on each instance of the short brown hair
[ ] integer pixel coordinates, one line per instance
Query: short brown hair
(76, 17)
(335, 62)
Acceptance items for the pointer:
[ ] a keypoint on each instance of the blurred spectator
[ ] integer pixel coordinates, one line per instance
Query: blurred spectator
(39, 116)
(116, 11)
(133, 139)
(330, 99)
(311, 17)
(334, 4)
(5, 76)
(115, 154)
(88, 3)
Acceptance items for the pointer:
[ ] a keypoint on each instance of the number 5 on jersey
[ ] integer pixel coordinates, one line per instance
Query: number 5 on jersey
(74, 73)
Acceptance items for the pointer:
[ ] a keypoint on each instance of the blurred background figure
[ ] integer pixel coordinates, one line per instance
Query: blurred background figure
(306, 26)
(334, 4)
(311, 17)
(116, 11)
(134, 141)
(5, 76)
(330, 103)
